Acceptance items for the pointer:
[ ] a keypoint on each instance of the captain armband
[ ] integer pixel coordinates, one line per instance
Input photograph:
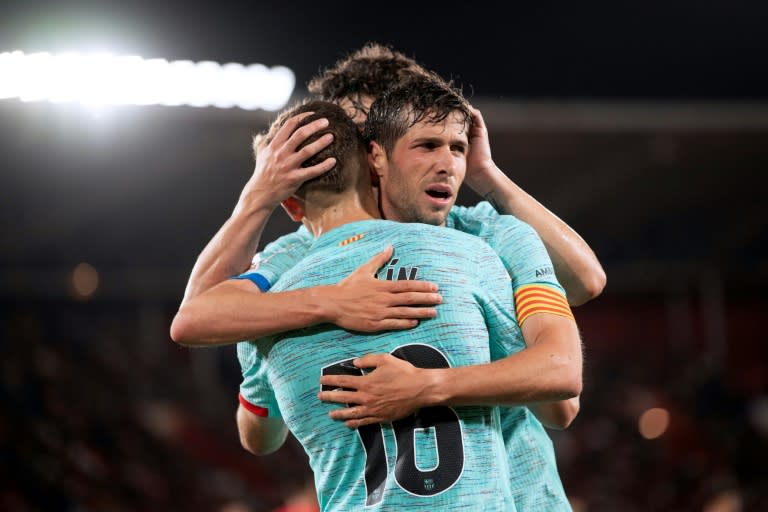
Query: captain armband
(536, 298)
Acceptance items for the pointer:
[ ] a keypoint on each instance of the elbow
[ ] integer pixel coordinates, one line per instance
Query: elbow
(183, 328)
(596, 284)
(260, 436)
(592, 286)
(575, 385)
(256, 447)
(570, 382)
(566, 413)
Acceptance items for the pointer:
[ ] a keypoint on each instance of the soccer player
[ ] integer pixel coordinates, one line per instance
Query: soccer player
(439, 458)
(355, 81)
(361, 77)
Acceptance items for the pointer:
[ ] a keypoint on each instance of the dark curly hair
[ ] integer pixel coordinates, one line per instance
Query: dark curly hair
(369, 71)
(428, 98)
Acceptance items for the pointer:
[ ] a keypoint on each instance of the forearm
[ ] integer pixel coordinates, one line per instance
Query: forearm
(576, 265)
(236, 310)
(532, 375)
(226, 315)
(231, 249)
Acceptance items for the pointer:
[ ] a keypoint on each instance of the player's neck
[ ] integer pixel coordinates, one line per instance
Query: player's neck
(350, 209)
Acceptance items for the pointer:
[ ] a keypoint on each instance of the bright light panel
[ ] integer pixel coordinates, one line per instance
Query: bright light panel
(104, 79)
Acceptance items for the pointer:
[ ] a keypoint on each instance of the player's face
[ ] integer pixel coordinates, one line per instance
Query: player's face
(421, 179)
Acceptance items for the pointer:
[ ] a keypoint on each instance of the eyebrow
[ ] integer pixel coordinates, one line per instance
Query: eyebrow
(441, 140)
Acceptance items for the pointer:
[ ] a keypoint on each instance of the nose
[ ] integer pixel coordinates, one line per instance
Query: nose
(447, 162)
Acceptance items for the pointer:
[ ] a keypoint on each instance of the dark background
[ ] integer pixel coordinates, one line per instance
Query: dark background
(644, 126)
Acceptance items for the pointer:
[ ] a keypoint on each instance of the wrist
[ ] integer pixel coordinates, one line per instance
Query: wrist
(436, 387)
(321, 302)
(485, 179)
(254, 200)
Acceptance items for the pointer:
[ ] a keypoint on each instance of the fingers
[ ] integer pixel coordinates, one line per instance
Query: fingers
(348, 413)
(314, 147)
(337, 396)
(362, 422)
(477, 117)
(337, 381)
(307, 173)
(371, 266)
(410, 313)
(289, 130)
(415, 299)
(371, 360)
(301, 134)
(396, 324)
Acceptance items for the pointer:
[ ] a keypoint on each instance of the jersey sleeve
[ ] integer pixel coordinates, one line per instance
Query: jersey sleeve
(256, 393)
(496, 298)
(277, 257)
(535, 286)
(459, 214)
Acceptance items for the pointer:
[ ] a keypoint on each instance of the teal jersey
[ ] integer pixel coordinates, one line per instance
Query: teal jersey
(279, 256)
(437, 459)
(536, 484)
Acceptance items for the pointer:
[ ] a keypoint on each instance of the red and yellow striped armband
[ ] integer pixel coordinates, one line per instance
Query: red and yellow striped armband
(537, 298)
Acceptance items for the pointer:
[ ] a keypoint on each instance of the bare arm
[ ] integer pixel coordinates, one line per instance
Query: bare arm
(236, 310)
(258, 435)
(576, 266)
(277, 175)
(548, 370)
(556, 415)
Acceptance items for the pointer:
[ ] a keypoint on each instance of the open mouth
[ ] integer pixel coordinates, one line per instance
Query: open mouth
(438, 191)
(438, 194)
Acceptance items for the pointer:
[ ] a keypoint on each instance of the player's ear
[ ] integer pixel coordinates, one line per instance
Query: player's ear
(377, 159)
(294, 208)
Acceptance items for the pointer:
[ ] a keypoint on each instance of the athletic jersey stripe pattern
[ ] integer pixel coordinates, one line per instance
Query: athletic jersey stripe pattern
(535, 482)
(440, 458)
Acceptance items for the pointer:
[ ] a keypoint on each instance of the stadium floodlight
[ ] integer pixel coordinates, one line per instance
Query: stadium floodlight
(104, 79)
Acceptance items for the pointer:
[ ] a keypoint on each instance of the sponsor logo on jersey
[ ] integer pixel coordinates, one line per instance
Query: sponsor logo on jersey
(546, 271)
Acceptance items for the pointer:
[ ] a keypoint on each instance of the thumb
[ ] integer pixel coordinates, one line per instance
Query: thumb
(379, 260)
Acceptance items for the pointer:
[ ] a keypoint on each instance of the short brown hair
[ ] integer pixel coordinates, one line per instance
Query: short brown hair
(347, 147)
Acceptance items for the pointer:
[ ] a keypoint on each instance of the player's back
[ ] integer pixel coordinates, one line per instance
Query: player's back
(535, 481)
(439, 458)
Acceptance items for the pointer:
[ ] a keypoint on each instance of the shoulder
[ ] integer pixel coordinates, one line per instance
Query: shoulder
(301, 237)
(484, 222)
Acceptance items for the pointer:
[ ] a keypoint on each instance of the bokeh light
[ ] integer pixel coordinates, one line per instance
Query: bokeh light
(105, 79)
(653, 423)
(85, 281)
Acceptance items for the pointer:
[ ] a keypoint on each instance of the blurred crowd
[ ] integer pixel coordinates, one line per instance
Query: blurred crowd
(100, 412)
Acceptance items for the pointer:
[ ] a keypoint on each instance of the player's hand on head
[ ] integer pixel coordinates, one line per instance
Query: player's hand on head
(361, 302)
(278, 171)
(480, 165)
(389, 391)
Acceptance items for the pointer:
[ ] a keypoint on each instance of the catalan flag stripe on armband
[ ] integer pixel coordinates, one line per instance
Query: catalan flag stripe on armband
(535, 298)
